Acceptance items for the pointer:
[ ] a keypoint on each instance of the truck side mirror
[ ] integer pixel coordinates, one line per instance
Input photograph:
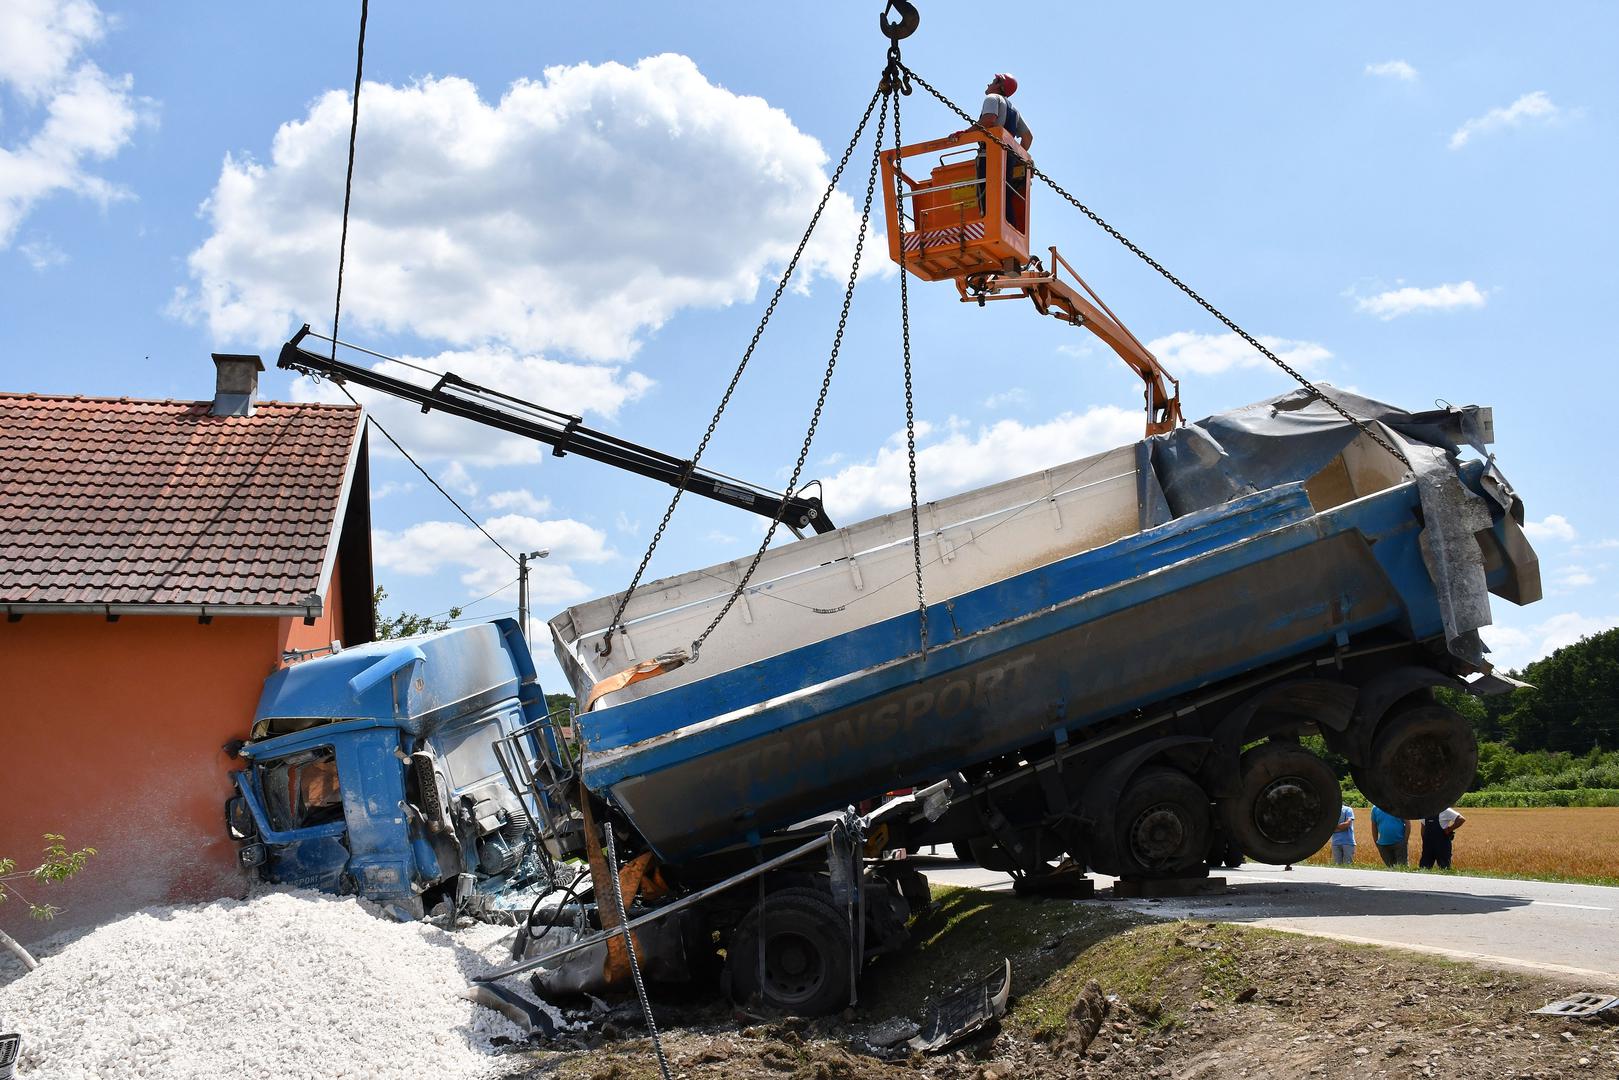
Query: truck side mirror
(239, 819)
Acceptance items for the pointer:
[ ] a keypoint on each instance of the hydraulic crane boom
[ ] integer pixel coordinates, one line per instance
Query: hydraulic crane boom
(564, 433)
(1055, 297)
(968, 220)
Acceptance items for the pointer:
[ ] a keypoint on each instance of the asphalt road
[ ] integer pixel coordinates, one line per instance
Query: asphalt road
(1568, 929)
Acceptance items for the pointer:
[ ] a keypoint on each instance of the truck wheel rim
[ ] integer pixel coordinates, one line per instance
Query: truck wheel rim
(1157, 835)
(1285, 809)
(1422, 765)
(794, 968)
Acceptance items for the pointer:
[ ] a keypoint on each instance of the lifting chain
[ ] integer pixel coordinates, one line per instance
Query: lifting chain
(1171, 278)
(826, 380)
(629, 946)
(605, 648)
(910, 399)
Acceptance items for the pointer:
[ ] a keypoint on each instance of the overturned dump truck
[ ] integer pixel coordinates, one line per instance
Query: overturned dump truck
(1122, 654)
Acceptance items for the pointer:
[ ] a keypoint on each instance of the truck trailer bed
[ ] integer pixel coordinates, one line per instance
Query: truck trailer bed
(1055, 601)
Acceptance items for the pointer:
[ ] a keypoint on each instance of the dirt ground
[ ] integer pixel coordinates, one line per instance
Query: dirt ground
(1100, 994)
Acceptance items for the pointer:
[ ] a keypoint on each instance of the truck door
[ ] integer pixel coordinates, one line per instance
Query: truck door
(300, 804)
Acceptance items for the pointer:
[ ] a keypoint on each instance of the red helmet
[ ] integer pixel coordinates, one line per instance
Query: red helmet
(1007, 84)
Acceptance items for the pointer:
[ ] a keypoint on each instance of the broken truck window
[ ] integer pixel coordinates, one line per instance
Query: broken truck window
(301, 790)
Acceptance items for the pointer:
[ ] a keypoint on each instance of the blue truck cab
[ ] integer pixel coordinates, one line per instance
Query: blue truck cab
(377, 771)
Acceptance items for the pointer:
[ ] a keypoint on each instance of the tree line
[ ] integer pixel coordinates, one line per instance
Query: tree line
(1571, 706)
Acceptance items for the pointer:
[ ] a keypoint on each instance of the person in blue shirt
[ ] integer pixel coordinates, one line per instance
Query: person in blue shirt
(1393, 837)
(1343, 838)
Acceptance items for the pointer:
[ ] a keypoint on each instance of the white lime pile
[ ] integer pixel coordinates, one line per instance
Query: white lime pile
(282, 985)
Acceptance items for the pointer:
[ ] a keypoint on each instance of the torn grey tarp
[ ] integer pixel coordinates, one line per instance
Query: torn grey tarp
(1291, 438)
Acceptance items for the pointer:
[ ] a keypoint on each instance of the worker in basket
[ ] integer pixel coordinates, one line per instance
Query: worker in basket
(998, 115)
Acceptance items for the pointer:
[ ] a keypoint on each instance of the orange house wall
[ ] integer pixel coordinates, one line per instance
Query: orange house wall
(325, 630)
(111, 734)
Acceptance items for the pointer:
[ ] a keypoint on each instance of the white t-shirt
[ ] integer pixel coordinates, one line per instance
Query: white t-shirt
(1447, 817)
(1005, 114)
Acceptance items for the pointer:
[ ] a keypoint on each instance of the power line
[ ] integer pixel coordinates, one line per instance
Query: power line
(470, 603)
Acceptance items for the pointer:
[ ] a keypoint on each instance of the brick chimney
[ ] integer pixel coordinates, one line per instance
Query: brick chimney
(236, 383)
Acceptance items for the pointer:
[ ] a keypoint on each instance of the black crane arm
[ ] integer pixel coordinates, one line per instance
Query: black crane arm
(564, 433)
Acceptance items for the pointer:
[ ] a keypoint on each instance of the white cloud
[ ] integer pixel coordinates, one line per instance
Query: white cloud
(522, 501)
(577, 213)
(392, 487)
(1550, 527)
(623, 523)
(1572, 577)
(40, 39)
(1015, 396)
(962, 459)
(430, 547)
(84, 114)
(577, 389)
(1513, 647)
(1188, 353)
(1534, 106)
(42, 254)
(1396, 302)
(458, 480)
(1393, 69)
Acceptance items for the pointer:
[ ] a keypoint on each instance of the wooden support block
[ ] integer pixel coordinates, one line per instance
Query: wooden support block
(1158, 888)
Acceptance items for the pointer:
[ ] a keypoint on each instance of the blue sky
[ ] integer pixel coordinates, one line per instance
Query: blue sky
(588, 203)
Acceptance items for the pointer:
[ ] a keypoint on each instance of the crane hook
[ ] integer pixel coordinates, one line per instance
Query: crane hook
(909, 20)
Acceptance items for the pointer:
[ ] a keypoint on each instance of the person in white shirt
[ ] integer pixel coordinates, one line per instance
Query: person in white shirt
(999, 112)
(1438, 838)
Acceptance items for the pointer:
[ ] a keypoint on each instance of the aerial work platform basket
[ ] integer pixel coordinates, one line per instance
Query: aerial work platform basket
(968, 215)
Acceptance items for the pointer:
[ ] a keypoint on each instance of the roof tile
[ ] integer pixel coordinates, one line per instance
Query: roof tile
(115, 500)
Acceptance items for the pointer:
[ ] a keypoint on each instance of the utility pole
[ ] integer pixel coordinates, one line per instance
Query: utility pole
(522, 588)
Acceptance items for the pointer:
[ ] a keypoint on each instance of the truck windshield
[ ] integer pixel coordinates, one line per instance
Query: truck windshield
(301, 790)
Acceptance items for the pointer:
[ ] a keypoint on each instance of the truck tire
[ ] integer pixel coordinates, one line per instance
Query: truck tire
(805, 940)
(1158, 828)
(1288, 805)
(1423, 758)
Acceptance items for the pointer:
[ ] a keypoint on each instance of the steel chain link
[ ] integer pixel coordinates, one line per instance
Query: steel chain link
(629, 946)
(606, 646)
(826, 380)
(910, 399)
(1173, 280)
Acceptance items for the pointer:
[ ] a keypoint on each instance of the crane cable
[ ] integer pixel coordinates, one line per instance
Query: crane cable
(342, 258)
(348, 179)
(1360, 423)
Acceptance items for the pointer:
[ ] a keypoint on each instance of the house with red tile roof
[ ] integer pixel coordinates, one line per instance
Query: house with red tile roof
(159, 559)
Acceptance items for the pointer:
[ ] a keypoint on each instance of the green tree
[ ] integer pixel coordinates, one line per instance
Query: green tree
(59, 865)
(1574, 703)
(405, 624)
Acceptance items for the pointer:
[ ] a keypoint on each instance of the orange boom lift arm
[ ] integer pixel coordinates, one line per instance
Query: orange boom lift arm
(968, 222)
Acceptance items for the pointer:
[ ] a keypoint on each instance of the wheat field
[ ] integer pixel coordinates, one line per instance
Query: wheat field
(1556, 842)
